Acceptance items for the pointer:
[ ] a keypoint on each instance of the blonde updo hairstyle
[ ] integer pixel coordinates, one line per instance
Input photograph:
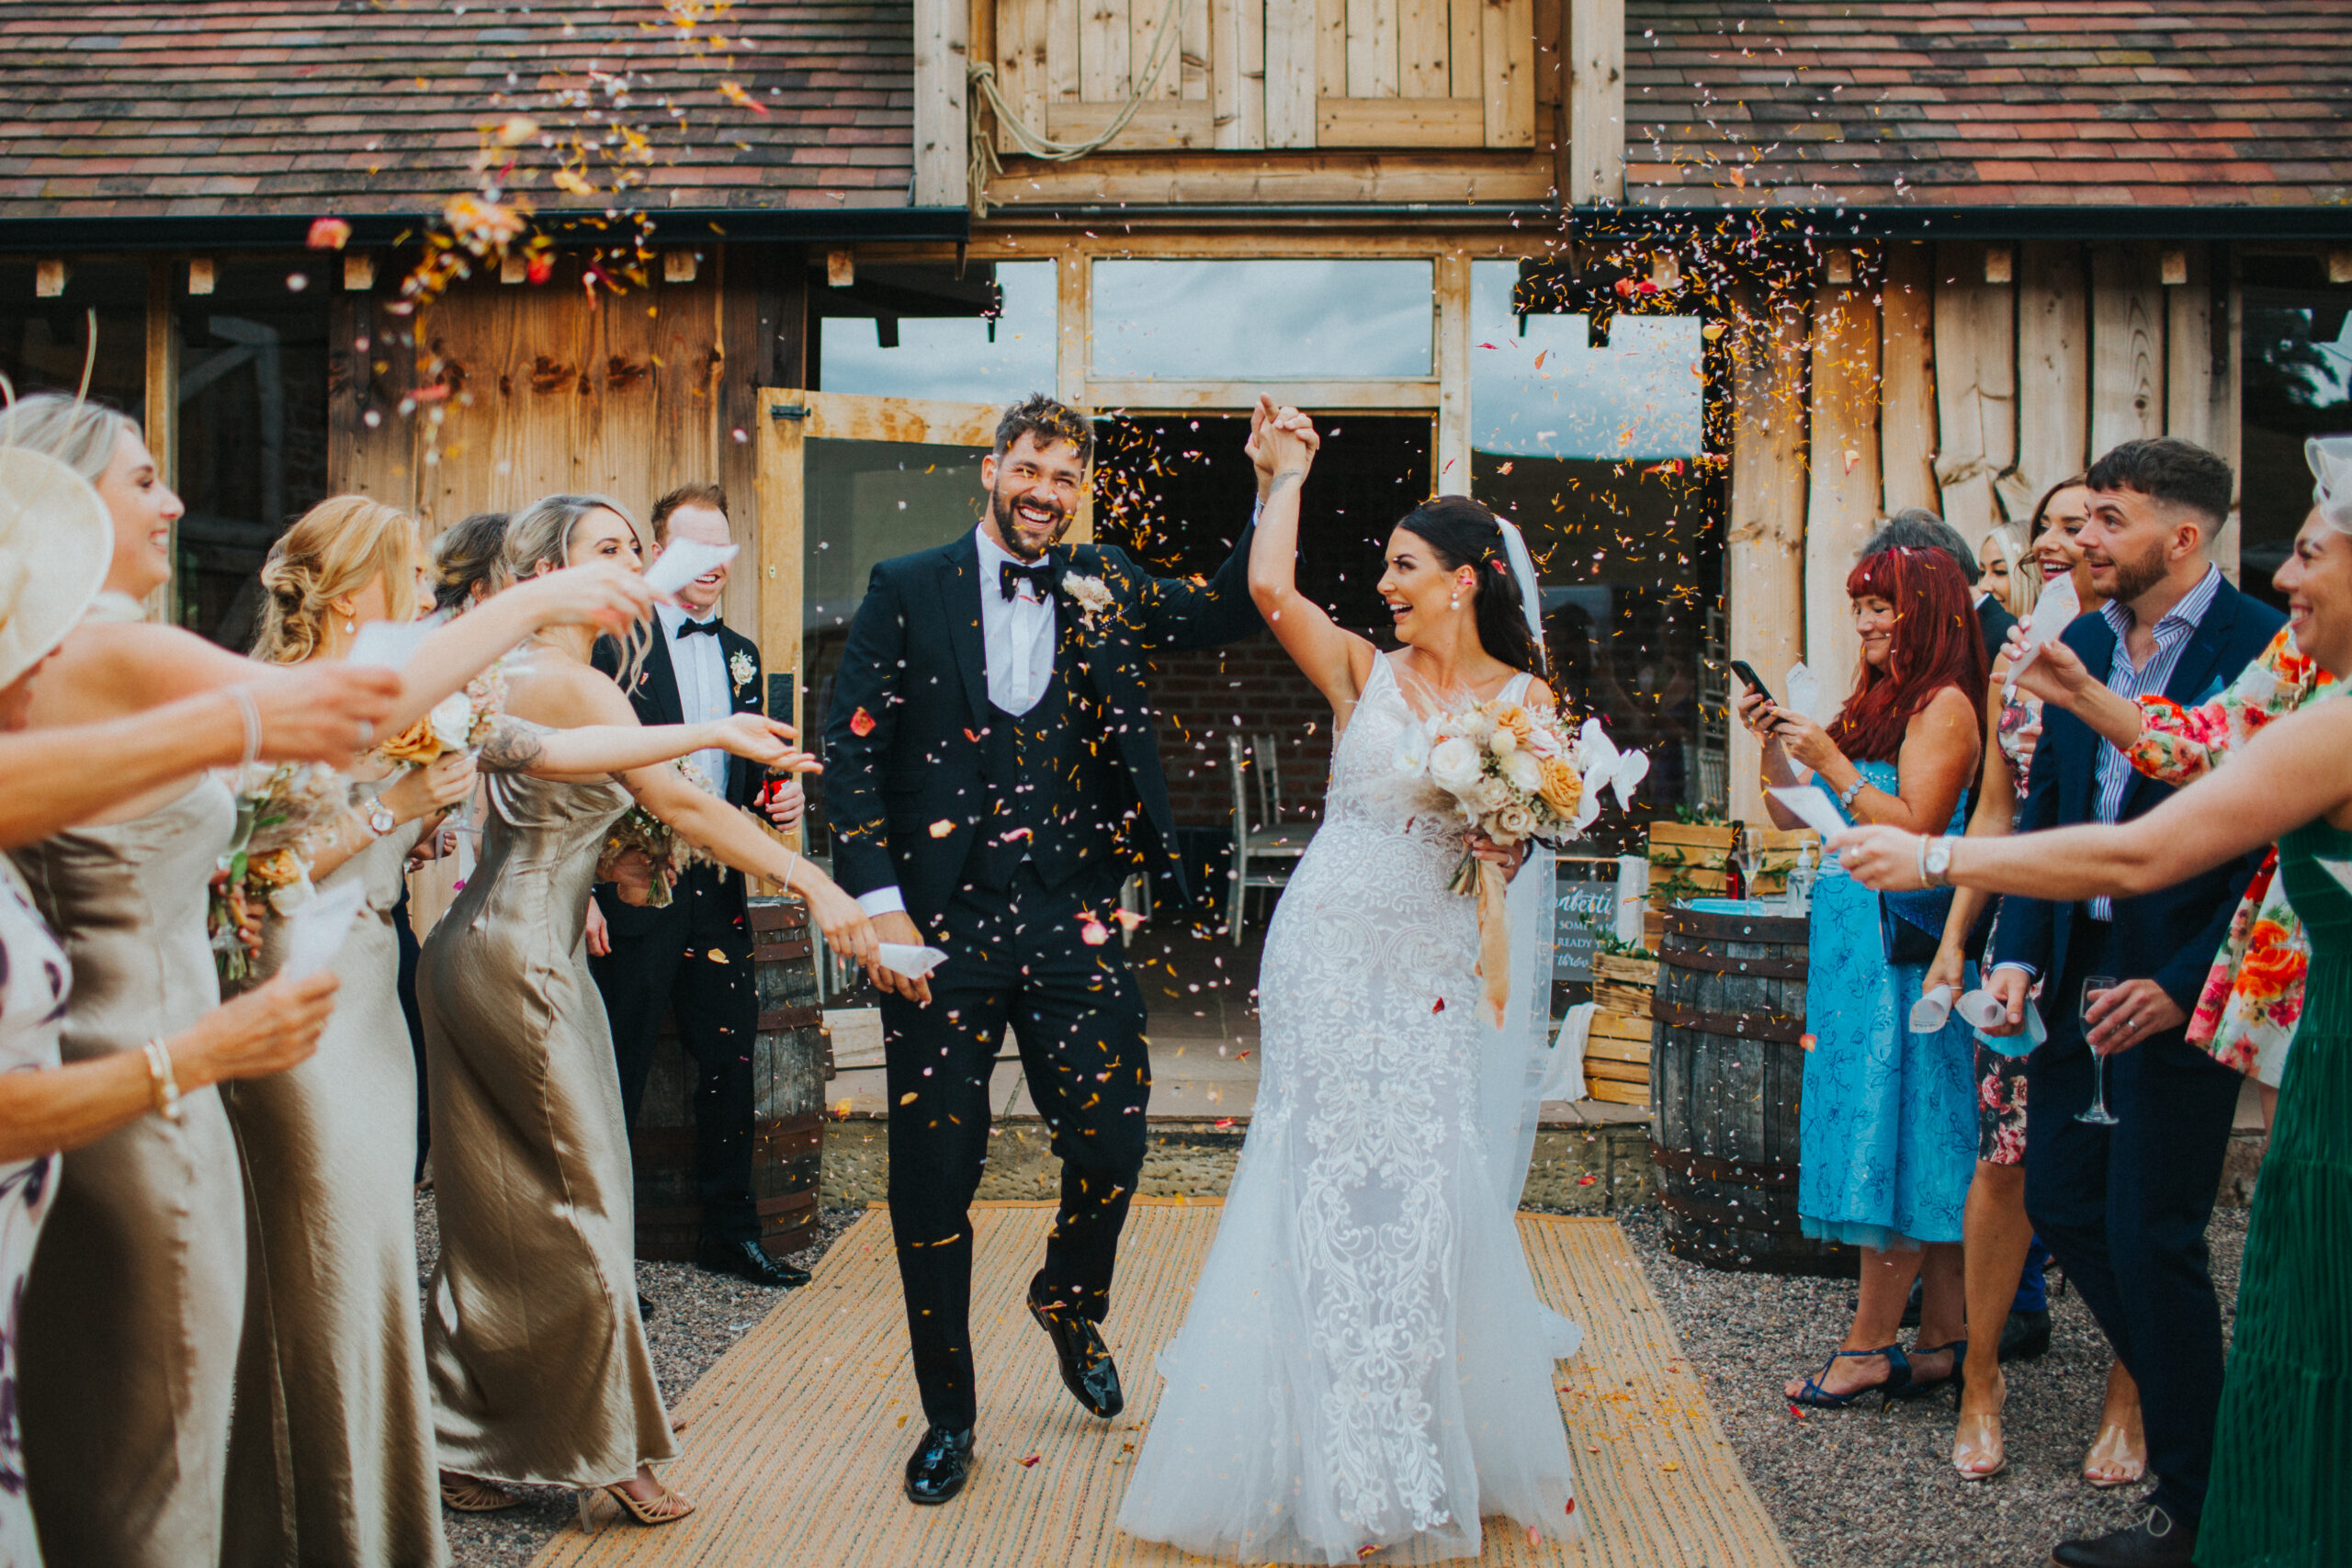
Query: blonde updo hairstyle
(79, 434)
(338, 546)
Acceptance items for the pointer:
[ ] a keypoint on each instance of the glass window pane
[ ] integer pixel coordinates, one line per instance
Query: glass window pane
(2297, 364)
(959, 358)
(44, 342)
(866, 501)
(1588, 450)
(253, 432)
(1261, 320)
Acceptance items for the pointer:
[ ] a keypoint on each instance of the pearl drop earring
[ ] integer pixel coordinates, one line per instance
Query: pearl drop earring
(1454, 602)
(350, 627)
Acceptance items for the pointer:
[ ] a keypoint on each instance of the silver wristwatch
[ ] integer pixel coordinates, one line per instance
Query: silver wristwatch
(380, 820)
(1939, 862)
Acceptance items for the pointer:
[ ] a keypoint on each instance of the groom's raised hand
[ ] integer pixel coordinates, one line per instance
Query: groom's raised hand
(898, 926)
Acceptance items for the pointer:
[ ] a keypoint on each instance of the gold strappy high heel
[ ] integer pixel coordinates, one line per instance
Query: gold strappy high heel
(666, 1509)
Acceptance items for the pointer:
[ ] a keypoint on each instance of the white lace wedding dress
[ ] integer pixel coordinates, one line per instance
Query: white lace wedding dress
(1365, 1361)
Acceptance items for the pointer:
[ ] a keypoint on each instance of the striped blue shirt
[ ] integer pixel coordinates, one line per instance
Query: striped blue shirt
(2172, 635)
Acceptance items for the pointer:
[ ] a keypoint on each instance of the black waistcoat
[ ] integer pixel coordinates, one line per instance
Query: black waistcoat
(1052, 793)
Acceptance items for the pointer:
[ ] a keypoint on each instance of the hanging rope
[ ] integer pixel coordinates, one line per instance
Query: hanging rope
(984, 92)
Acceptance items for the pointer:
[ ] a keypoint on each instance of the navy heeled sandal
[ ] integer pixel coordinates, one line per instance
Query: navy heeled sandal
(1898, 1378)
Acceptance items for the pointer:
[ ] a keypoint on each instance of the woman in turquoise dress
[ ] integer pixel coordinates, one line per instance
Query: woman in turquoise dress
(2277, 1495)
(1888, 1124)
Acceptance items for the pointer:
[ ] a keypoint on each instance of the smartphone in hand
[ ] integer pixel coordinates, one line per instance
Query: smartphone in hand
(1754, 683)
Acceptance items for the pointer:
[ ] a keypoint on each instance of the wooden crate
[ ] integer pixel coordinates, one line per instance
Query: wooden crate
(1629, 999)
(1620, 970)
(1617, 1058)
(1776, 848)
(1689, 851)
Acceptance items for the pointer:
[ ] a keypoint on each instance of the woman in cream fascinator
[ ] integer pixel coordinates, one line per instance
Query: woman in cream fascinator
(55, 540)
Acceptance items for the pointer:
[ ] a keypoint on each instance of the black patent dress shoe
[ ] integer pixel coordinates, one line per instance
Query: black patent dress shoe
(2157, 1541)
(1088, 1371)
(2025, 1337)
(644, 1307)
(937, 1470)
(748, 1259)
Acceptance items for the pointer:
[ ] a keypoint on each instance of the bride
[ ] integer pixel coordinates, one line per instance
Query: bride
(1366, 1364)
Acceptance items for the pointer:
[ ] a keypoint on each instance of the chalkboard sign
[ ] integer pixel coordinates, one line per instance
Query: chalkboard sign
(1587, 910)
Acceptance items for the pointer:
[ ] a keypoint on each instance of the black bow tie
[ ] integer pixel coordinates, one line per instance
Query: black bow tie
(688, 629)
(1010, 575)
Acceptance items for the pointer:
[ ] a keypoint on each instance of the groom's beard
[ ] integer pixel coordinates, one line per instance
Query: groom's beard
(1001, 509)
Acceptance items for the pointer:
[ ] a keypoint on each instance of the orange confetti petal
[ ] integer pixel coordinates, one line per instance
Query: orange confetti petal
(1093, 933)
(861, 724)
(942, 827)
(1031, 1459)
(329, 234)
(907, 1098)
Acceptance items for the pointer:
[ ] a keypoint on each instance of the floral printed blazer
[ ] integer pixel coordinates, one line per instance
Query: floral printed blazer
(2254, 996)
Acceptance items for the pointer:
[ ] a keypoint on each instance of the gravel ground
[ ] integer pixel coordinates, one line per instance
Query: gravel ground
(1859, 1488)
(697, 1317)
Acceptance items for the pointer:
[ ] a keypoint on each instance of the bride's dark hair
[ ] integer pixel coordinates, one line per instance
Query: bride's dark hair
(1463, 532)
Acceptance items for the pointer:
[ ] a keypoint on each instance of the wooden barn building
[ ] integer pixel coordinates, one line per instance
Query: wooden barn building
(1700, 291)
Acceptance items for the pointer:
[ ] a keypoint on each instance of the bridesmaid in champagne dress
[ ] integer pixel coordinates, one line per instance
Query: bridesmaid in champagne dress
(330, 1382)
(137, 1296)
(540, 1367)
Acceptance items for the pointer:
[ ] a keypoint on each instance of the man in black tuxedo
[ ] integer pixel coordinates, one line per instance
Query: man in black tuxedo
(2125, 1209)
(692, 959)
(993, 775)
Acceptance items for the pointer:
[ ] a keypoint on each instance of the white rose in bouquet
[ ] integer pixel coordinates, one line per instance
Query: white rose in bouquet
(1514, 823)
(453, 721)
(1454, 763)
(1486, 794)
(1524, 772)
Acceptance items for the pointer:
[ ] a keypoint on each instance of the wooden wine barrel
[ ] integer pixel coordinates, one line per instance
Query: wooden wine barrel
(1726, 1070)
(791, 1058)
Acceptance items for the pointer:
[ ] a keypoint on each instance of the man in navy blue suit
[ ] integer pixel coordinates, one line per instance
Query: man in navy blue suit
(2123, 1209)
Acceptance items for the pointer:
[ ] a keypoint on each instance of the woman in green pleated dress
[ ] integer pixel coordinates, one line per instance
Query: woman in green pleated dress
(2281, 1489)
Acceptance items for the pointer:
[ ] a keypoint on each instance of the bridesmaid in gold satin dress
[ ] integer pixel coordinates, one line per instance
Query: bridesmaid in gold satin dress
(331, 1459)
(135, 1306)
(56, 539)
(539, 1365)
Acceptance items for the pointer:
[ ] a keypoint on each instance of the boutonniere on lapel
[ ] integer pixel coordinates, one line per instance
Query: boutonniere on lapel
(739, 665)
(1090, 595)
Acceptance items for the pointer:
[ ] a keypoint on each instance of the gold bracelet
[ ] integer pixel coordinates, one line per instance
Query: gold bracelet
(163, 1085)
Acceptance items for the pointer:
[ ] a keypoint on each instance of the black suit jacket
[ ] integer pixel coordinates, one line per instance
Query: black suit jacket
(2170, 935)
(655, 697)
(903, 734)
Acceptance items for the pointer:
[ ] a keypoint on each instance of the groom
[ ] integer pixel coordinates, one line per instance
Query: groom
(993, 775)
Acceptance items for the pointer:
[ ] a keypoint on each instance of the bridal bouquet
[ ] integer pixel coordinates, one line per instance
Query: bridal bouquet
(1516, 777)
(268, 863)
(459, 722)
(638, 832)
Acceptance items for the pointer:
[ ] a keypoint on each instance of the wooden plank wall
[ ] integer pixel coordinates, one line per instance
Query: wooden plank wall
(1260, 74)
(1966, 378)
(626, 397)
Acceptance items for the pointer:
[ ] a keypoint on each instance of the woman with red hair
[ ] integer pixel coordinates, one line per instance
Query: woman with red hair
(1888, 1123)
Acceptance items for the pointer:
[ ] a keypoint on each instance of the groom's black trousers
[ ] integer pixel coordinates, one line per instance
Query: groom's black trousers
(1017, 957)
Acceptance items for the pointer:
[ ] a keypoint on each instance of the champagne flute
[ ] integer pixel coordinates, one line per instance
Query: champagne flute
(2097, 1115)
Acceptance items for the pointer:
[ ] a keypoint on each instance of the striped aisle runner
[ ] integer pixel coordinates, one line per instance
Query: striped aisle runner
(799, 1432)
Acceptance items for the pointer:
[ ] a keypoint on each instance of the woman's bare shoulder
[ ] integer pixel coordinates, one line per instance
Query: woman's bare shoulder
(563, 694)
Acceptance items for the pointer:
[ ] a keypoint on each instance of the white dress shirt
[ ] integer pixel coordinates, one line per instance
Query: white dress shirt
(1017, 644)
(1017, 633)
(704, 694)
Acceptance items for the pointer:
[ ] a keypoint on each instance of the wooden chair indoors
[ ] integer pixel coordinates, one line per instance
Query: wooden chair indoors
(1259, 834)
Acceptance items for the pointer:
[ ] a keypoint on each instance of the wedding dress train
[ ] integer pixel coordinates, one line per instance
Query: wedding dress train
(1366, 1362)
